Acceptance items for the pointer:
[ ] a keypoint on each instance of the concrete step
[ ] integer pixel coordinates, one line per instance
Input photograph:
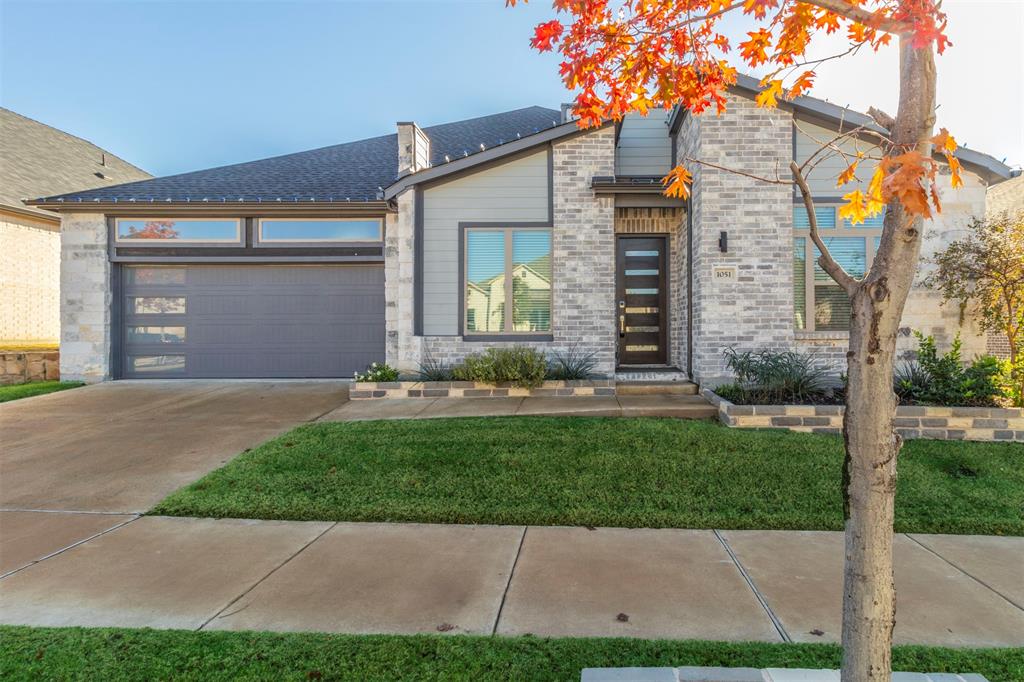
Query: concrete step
(679, 406)
(655, 388)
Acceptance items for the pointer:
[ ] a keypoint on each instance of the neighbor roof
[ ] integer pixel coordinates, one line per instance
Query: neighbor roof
(37, 159)
(1006, 196)
(352, 171)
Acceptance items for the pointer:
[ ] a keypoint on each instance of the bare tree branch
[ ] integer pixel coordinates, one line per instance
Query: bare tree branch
(760, 178)
(881, 118)
(825, 260)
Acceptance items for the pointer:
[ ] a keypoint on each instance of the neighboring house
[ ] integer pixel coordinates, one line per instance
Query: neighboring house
(417, 243)
(1006, 197)
(37, 160)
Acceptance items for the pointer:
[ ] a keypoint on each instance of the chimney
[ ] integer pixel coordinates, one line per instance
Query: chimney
(567, 112)
(413, 148)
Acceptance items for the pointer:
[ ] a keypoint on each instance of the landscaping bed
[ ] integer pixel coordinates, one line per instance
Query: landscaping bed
(17, 391)
(132, 654)
(912, 421)
(581, 471)
(364, 390)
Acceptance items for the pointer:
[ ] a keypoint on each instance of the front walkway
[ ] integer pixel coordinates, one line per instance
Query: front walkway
(234, 574)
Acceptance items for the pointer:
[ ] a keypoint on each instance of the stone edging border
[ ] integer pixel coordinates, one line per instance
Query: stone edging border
(18, 367)
(369, 390)
(912, 421)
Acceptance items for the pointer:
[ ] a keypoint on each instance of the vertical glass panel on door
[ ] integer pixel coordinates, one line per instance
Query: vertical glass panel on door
(158, 305)
(157, 364)
(531, 281)
(157, 230)
(156, 276)
(320, 230)
(485, 281)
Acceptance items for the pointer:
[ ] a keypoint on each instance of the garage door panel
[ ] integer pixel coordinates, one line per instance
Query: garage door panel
(253, 321)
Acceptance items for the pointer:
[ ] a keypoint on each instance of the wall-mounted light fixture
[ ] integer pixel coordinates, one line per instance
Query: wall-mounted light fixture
(723, 241)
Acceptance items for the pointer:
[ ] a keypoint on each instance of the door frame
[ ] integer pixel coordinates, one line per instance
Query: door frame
(665, 281)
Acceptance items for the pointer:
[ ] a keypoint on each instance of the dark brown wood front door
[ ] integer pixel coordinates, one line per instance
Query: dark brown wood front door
(642, 300)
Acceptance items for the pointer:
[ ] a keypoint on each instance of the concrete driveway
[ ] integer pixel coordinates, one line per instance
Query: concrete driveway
(120, 447)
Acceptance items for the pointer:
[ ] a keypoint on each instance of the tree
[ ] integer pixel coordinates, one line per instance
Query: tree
(984, 272)
(637, 54)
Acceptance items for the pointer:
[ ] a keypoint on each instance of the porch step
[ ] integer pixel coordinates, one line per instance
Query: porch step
(650, 375)
(655, 388)
(678, 406)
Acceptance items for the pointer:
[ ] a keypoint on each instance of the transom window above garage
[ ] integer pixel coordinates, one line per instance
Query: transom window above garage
(146, 231)
(318, 230)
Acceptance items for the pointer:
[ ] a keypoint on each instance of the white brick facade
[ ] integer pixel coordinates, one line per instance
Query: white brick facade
(29, 280)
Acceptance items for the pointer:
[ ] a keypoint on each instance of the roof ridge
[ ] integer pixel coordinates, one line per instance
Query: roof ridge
(76, 137)
(499, 113)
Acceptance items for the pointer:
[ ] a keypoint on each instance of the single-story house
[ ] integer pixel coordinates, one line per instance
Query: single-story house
(37, 160)
(515, 228)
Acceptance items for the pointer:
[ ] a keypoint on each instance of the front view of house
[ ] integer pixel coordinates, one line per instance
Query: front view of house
(516, 228)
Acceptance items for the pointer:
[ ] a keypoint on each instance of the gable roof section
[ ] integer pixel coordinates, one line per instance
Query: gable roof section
(37, 159)
(1006, 196)
(352, 171)
(991, 169)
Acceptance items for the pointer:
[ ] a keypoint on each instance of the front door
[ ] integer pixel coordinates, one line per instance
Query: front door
(642, 298)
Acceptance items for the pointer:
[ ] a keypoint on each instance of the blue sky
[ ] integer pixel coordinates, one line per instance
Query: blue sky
(178, 86)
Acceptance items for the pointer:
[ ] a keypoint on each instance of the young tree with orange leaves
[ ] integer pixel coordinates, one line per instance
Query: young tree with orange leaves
(633, 55)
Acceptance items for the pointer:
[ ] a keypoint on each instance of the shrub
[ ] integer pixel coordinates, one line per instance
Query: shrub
(520, 365)
(944, 379)
(432, 369)
(774, 377)
(572, 365)
(1013, 380)
(377, 371)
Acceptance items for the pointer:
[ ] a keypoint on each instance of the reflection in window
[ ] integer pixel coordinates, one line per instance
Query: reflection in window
(508, 269)
(156, 334)
(157, 364)
(831, 303)
(155, 305)
(157, 275)
(177, 229)
(800, 282)
(320, 230)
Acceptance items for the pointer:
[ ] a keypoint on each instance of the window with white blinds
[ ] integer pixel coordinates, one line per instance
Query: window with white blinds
(508, 281)
(819, 303)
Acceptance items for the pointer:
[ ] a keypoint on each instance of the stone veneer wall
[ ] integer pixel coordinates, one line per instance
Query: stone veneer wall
(22, 367)
(755, 310)
(583, 261)
(85, 298)
(29, 279)
(912, 421)
(402, 348)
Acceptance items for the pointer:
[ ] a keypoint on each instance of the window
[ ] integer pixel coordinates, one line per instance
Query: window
(508, 269)
(299, 230)
(149, 231)
(156, 276)
(157, 364)
(819, 303)
(156, 334)
(156, 305)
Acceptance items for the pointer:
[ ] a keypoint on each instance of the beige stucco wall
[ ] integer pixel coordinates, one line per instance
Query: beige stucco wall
(29, 279)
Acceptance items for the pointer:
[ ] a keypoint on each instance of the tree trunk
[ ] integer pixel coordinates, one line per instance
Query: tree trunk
(872, 445)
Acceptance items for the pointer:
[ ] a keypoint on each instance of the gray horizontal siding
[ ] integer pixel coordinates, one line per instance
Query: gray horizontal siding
(822, 180)
(644, 147)
(516, 191)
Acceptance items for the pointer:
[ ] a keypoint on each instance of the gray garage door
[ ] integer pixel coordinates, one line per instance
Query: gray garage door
(251, 321)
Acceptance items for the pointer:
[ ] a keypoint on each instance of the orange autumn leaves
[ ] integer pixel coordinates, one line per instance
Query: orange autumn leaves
(909, 177)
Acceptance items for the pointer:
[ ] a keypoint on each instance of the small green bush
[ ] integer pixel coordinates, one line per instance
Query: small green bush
(377, 371)
(572, 365)
(432, 369)
(519, 365)
(946, 381)
(774, 378)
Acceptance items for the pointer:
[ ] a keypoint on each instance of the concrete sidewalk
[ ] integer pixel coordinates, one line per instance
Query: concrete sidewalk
(234, 574)
(679, 406)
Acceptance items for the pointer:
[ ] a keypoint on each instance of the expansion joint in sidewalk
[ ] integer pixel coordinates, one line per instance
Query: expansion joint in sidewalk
(136, 517)
(753, 588)
(511, 573)
(963, 570)
(221, 612)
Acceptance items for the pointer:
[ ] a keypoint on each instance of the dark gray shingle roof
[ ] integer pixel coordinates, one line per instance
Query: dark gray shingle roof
(37, 159)
(353, 170)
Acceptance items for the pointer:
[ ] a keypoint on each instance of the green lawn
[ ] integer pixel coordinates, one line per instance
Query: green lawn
(35, 388)
(115, 654)
(597, 472)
